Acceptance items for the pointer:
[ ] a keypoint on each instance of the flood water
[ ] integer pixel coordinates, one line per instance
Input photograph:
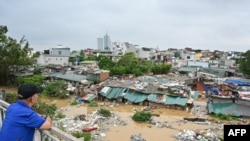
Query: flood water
(149, 132)
(171, 117)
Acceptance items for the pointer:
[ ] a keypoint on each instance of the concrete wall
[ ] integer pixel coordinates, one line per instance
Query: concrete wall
(60, 51)
(49, 59)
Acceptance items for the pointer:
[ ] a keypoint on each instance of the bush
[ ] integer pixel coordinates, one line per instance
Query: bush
(10, 97)
(44, 108)
(93, 104)
(87, 136)
(59, 115)
(105, 113)
(73, 102)
(56, 89)
(142, 116)
(223, 117)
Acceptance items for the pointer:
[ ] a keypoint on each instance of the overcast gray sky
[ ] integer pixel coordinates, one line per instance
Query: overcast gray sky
(199, 24)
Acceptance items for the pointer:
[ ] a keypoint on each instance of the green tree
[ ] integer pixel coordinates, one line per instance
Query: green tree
(105, 63)
(117, 70)
(13, 54)
(82, 55)
(128, 59)
(36, 54)
(146, 66)
(91, 57)
(165, 68)
(130, 62)
(156, 69)
(245, 63)
(161, 69)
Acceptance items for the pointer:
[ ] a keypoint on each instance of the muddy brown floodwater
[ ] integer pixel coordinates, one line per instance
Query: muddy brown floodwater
(123, 133)
(171, 117)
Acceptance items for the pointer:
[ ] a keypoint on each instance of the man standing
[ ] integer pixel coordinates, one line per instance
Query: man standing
(21, 120)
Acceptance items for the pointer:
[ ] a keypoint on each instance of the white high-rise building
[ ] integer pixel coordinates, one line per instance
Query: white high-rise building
(100, 45)
(107, 42)
(104, 43)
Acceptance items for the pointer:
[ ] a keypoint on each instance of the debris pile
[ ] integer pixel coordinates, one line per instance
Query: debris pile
(77, 123)
(199, 135)
(136, 137)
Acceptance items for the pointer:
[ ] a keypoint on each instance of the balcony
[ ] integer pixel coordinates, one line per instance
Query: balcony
(54, 134)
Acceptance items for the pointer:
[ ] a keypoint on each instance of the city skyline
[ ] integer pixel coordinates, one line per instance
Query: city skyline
(206, 25)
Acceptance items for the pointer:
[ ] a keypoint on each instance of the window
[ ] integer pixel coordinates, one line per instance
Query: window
(60, 52)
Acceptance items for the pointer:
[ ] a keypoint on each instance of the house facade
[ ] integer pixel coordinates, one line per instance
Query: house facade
(56, 56)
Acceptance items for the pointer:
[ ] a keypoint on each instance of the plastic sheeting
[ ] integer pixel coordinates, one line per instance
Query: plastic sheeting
(238, 82)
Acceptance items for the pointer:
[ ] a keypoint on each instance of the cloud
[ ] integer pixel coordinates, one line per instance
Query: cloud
(208, 24)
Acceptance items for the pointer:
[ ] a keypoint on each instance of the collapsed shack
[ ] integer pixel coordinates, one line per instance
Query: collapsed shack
(154, 91)
(229, 106)
(153, 100)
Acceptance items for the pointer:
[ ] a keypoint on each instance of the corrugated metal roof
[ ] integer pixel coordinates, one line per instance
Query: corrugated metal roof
(115, 93)
(135, 97)
(153, 97)
(105, 91)
(188, 69)
(70, 77)
(140, 98)
(176, 100)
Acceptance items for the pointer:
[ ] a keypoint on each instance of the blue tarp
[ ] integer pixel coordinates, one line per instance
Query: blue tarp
(238, 82)
(215, 91)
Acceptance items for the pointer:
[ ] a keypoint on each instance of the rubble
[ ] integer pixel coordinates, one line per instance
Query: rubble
(198, 135)
(136, 137)
(77, 123)
(213, 132)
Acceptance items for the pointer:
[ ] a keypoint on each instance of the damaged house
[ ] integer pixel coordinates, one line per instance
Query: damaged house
(231, 98)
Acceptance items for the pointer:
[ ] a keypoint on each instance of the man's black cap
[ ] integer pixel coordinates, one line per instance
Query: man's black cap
(27, 90)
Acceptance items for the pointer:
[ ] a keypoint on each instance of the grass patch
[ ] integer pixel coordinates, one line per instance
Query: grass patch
(224, 117)
(93, 104)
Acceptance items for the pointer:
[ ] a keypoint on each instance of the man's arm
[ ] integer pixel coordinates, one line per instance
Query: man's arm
(47, 124)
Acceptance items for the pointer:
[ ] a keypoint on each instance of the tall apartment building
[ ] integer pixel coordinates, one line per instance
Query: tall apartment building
(100, 43)
(104, 43)
(107, 42)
